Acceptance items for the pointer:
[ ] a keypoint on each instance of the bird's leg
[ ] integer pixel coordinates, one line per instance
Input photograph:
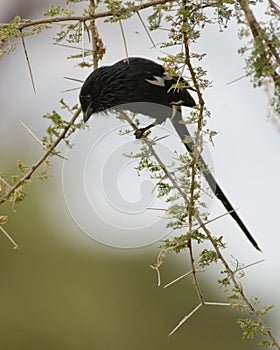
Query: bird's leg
(139, 132)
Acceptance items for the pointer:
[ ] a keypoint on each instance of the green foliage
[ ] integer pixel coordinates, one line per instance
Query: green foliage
(72, 34)
(155, 18)
(147, 164)
(54, 10)
(121, 10)
(7, 34)
(261, 52)
(250, 328)
(58, 124)
(207, 257)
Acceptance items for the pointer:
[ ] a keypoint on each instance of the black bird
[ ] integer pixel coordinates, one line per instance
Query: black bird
(140, 80)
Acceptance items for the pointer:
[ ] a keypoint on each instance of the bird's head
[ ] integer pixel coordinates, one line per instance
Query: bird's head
(87, 105)
(98, 92)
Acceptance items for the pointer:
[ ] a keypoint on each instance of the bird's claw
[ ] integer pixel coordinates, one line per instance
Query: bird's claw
(139, 133)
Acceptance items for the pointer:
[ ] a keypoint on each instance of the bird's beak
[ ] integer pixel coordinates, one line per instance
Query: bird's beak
(88, 112)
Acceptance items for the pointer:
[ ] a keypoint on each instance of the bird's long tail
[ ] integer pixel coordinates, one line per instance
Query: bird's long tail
(184, 133)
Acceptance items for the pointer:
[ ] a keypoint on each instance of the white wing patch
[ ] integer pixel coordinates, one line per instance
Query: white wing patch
(159, 81)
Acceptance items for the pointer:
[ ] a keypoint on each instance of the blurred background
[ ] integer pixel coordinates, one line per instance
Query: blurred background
(65, 290)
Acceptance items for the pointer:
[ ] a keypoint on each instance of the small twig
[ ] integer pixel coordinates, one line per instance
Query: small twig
(28, 63)
(9, 238)
(156, 268)
(159, 262)
(274, 6)
(5, 182)
(194, 271)
(67, 107)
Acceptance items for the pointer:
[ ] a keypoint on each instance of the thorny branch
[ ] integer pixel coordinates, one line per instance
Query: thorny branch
(237, 285)
(275, 7)
(256, 27)
(258, 32)
(30, 23)
(195, 155)
(40, 161)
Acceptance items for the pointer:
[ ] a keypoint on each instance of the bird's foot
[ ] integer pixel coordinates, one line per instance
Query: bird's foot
(139, 133)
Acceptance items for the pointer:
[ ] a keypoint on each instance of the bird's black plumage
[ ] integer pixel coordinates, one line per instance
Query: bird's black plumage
(130, 80)
(140, 80)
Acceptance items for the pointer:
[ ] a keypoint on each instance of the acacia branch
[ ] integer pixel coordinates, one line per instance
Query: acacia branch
(237, 286)
(40, 161)
(29, 23)
(275, 7)
(195, 155)
(256, 29)
(259, 33)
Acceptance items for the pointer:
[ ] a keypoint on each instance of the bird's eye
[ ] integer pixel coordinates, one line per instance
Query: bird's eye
(85, 98)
